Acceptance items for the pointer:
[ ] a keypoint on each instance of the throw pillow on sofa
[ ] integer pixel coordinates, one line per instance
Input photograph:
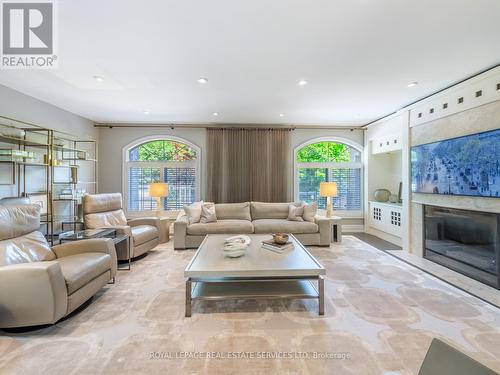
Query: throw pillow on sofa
(193, 212)
(208, 213)
(310, 211)
(295, 212)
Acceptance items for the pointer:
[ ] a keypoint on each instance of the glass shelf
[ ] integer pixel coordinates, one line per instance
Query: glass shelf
(21, 142)
(76, 159)
(28, 163)
(72, 183)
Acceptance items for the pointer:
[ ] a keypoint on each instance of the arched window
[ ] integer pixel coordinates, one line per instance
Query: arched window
(329, 160)
(169, 160)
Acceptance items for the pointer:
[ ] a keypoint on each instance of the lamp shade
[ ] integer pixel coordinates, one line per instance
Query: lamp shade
(158, 189)
(328, 189)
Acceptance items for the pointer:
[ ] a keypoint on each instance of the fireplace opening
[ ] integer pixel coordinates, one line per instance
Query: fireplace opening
(464, 241)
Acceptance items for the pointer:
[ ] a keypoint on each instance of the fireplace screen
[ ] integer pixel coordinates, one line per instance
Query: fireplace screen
(465, 241)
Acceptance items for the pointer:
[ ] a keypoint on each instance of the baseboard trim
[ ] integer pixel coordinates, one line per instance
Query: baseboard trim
(350, 228)
(385, 236)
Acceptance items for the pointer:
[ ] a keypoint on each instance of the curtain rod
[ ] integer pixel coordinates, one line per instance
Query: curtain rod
(191, 126)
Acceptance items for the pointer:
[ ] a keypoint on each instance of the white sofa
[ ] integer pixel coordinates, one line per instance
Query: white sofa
(251, 217)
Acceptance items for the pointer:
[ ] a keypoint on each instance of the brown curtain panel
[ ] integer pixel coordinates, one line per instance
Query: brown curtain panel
(248, 165)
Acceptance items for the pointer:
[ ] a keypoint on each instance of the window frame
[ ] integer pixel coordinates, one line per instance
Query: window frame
(127, 164)
(331, 165)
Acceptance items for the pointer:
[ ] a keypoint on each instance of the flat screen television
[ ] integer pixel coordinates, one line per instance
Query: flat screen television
(468, 165)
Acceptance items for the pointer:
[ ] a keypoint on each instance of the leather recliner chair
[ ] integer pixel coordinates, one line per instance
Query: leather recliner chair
(106, 211)
(38, 284)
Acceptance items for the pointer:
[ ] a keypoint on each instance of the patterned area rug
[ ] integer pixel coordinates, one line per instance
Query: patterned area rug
(381, 315)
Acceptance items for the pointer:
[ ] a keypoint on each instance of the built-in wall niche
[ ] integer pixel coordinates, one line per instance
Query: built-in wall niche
(386, 172)
(385, 167)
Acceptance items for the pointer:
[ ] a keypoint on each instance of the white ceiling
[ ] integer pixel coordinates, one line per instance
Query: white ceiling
(357, 55)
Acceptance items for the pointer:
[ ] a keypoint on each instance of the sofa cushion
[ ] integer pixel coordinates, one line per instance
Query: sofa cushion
(233, 211)
(193, 212)
(295, 213)
(221, 227)
(208, 213)
(310, 211)
(263, 210)
(16, 221)
(78, 270)
(105, 219)
(32, 247)
(143, 234)
(283, 226)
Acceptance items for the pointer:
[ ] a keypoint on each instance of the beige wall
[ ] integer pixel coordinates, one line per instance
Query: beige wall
(112, 141)
(26, 108)
(476, 120)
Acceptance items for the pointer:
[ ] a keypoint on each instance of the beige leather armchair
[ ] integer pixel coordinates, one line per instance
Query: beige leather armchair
(40, 285)
(106, 211)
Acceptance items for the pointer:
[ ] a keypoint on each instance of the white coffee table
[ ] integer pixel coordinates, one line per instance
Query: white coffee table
(259, 274)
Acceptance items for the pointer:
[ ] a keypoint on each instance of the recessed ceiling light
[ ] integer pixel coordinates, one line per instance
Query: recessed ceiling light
(215, 113)
(98, 78)
(202, 80)
(146, 112)
(412, 84)
(282, 115)
(302, 82)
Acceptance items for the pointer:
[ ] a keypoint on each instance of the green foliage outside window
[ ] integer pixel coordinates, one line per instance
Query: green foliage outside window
(324, 152)
(162, 150)
(347, 177)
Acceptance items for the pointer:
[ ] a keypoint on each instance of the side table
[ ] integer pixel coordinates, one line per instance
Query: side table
(165, 229)
(117, 237)
(336, 221)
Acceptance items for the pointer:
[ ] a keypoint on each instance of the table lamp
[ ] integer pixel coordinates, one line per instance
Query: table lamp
(158, 190)
(328, 190)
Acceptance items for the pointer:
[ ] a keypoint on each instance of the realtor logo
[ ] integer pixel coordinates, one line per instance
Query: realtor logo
(28, 35)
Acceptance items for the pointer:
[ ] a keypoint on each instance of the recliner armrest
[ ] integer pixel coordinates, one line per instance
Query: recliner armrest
(32, 294)
(153, 221)
(94, 245)
(125, 229)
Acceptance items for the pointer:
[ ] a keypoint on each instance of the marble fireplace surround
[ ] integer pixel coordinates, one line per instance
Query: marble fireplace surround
(476, 120)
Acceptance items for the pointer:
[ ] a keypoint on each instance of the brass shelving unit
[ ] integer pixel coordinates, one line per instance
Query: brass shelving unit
(71, 154)
(53, 153)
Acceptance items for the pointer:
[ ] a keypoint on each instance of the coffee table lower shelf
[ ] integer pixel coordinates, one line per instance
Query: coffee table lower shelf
(237, 288)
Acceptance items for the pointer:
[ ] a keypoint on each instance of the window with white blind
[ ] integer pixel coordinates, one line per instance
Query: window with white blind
(161, 160)
(329, 161)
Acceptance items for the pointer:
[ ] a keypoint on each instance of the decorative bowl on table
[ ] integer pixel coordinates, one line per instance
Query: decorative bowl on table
(236, 246)
(280, 238)
(240, 239)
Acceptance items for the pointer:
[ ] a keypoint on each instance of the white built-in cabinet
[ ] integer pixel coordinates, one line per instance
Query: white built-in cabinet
(386, 166)
(386, 217)
(386, 144)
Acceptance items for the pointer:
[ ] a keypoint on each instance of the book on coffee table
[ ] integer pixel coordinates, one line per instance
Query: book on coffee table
(273, 246)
